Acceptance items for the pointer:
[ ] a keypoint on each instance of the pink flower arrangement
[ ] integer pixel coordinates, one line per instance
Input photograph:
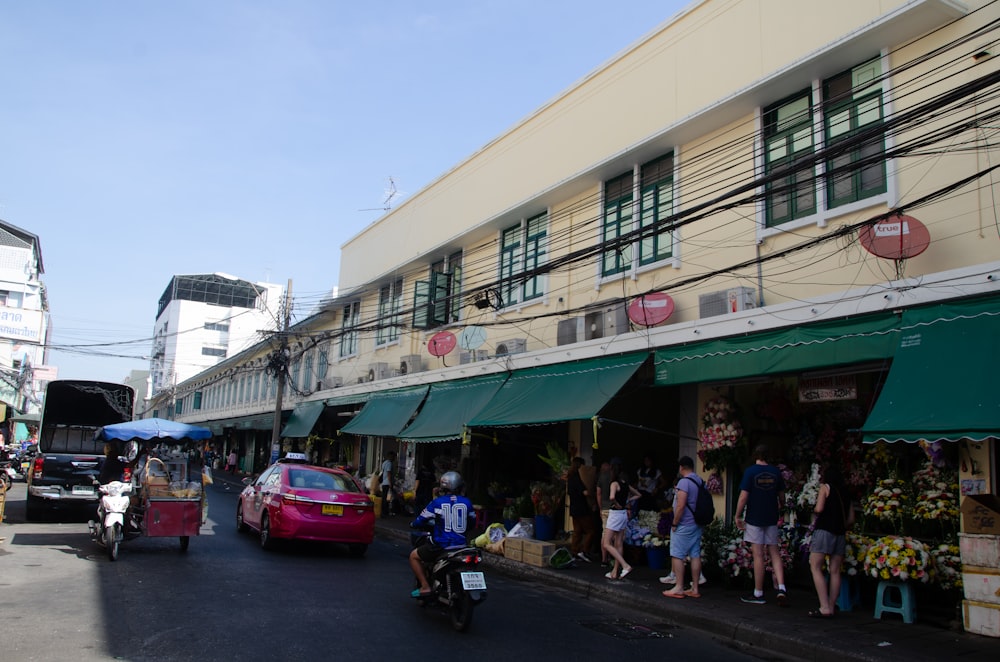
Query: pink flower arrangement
(714, 483)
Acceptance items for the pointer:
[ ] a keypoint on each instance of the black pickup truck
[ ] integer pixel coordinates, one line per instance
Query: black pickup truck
(61, 477)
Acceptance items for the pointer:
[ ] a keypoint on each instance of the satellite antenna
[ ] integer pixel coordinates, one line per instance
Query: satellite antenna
(390, 193)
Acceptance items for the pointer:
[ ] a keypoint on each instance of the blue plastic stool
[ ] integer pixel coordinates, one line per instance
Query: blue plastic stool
(886, 602)
(850, 594)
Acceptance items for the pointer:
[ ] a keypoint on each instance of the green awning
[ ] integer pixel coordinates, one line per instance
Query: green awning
(561, 392)
(942, 384)
(808, 347)
(385, 414)
(342, 400)
(255, 422)
(303, 418)
(450, 406)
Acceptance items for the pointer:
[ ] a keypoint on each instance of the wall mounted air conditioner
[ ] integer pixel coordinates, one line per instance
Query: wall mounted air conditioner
(513, 346)
(411, 363)
(329, 382)
(378, 371)
(570, 331)
(728, 301)
(475, 355)
(606, 322)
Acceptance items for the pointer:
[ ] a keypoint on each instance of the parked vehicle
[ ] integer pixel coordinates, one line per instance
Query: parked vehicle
(293, 500)
(70, 459)
(457, 583)
(109, 527)
(7, 474)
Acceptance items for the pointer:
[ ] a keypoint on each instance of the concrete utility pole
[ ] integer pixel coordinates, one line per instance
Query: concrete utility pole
(283, 362)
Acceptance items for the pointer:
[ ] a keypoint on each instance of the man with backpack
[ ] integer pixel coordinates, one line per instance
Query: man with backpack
(685, 535)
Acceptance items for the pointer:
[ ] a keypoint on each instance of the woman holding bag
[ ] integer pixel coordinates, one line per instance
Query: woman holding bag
(834, 513)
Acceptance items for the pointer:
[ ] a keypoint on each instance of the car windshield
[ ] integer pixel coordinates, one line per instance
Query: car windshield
(311, 479)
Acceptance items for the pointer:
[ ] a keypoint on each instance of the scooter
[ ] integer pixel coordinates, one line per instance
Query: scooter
(457, 583)
(109, 528)
(7, 474)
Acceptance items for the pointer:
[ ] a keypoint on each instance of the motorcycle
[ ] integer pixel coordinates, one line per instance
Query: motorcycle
(7, 474)
(457, 583)
(108, 530)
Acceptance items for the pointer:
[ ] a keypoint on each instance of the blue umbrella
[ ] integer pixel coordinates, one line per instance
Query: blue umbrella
(152, 428)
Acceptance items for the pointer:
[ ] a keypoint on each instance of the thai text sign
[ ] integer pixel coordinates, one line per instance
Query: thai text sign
(20, 324)
(839, 387)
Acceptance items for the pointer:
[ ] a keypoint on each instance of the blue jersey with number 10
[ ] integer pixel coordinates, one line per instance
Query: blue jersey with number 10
(450, 514)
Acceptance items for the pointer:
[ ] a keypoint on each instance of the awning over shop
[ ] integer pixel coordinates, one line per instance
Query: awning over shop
(562, 392)
(385, 414)
(342, 400)
(450, 406)
(820, 345)
(942, 384)
(255, 422)
(303, 418)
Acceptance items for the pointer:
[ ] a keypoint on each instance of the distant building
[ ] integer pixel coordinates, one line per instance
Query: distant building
(139, 380)
(203, 318)
(24, 318)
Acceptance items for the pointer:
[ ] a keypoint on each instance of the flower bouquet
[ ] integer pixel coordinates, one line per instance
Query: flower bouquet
(854, 555)
(898, 558)
(810, 490)
(547, 497)
(947, 562)
(720, 436)
(714, 483)
(654, 540)
(888, 503)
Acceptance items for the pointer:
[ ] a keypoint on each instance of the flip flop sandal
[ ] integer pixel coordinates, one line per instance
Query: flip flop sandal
(668, 594)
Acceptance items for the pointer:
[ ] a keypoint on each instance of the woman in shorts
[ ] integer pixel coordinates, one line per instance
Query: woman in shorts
(834, 513)
(613, 539)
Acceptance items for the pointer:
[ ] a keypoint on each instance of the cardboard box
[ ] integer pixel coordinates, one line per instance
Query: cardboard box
(979, 549)
(981, 584)
(512, 545)
(981, 514)
(537, 560)
(538, 547)
(980, 618)
(512, 553)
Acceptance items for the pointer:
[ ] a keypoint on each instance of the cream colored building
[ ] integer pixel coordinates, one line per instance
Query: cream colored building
(746, 159)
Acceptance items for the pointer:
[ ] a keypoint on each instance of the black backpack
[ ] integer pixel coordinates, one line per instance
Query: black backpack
(704, 510)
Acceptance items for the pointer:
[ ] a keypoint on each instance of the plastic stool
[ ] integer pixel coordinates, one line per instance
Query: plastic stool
(850, 594)
(480, 516)
(885, 602)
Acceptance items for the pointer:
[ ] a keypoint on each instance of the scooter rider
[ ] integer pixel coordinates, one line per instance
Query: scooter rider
(449, 513)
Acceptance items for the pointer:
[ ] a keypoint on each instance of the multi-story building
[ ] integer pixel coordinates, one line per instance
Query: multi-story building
(203, 318)
(24, 319)
(771, 216)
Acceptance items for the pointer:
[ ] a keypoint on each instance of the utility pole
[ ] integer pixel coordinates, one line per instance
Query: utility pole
(283, 362)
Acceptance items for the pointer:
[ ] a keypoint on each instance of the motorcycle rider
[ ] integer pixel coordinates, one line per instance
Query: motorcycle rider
(449, 513)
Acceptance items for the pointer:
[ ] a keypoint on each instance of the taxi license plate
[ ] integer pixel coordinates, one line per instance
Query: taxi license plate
(83, 489)
(473, 581)
(333, 509)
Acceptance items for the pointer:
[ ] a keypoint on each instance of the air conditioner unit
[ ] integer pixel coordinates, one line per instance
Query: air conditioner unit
(411, 363)
(728, 301)
(475, 355)
(329, 382)
(378, 371)
(570, 331)
(513, 346)
(606, 322)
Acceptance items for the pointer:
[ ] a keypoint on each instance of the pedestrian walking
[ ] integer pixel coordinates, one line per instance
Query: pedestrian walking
(621, 493)
(580, 511)
(388, 471)
(834, 513)
(761, 493)
(685, 534)
(231, 462)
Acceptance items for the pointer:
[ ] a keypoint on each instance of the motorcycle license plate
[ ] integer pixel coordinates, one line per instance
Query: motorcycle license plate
(473, 581)
(333, 509)
(83, 489)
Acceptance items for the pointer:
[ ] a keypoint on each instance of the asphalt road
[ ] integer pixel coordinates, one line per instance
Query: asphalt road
(227, 599)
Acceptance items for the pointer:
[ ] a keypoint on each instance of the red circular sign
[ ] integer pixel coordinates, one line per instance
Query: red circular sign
(651, 309)
(441, 343)
(895, 238)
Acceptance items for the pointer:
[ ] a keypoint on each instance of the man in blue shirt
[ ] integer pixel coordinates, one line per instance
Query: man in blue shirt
(761, 493)
(450, 514)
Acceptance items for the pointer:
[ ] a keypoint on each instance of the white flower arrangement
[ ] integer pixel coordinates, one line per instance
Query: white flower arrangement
(810, 491)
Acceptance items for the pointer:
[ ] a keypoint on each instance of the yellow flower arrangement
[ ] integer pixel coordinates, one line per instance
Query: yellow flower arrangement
(888, 501)
(937, 504)
(947, 561)
(898, 558)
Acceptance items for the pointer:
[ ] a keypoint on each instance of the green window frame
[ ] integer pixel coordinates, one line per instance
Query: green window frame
(788, 138)
(617, 221)
(853, 103)
(522, 251)
(390, 298)
(196, 400)
(348, 329)
(656, 204)
(438, 300)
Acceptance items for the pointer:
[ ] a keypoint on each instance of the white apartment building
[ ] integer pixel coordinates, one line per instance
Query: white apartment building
(203, 318)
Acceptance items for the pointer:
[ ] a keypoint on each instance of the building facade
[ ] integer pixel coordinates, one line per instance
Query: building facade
(763, 219)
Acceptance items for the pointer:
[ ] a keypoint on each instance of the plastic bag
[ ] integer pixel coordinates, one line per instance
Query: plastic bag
(494, 533)
(561, 558)
(522, 530)
(206, 475)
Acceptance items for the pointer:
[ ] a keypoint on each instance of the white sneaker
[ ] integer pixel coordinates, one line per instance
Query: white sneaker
(669, 579)
(583, 557)
(702, 580)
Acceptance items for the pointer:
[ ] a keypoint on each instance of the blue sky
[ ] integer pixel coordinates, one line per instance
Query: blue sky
(140, 140)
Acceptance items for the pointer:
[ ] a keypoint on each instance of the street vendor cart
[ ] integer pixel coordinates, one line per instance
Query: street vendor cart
(166, 476)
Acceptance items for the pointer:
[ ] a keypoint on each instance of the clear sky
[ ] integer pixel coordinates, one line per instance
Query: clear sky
(139, 140)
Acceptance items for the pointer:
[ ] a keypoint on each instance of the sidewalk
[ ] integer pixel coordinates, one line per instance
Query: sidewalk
(854, 635)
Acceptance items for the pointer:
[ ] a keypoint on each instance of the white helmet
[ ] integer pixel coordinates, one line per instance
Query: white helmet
(451, 481)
